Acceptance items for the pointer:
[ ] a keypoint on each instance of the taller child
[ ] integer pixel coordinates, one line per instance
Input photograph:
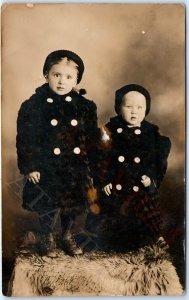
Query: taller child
(56, 130)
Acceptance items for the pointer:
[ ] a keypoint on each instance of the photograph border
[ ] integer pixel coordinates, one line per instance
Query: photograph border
(186, 4)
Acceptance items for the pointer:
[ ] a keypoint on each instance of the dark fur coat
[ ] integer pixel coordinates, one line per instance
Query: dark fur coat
(56, 136)
(133, 152)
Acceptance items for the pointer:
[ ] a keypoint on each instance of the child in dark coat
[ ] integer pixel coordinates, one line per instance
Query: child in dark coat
(56, 132)
(133, 166)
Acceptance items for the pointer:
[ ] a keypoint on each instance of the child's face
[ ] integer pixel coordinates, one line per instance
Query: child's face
(133, 108)
(62, 77)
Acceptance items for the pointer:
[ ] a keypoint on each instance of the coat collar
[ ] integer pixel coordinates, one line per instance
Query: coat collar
(44, 91)
(118, 121)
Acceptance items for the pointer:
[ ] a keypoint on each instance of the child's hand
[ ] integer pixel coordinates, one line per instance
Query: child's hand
(107, 189)
(34, 177)
(146, 180)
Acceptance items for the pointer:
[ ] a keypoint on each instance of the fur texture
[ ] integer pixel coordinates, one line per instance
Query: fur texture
(149, 271)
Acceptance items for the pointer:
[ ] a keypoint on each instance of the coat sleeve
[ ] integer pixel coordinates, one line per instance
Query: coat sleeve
(163, 150)
(26, 141)
(157, 169)
(92, 137)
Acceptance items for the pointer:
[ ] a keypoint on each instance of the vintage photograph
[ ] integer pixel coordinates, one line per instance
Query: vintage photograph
(93, 149)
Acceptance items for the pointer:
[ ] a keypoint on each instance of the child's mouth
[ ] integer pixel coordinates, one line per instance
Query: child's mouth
(60, 88)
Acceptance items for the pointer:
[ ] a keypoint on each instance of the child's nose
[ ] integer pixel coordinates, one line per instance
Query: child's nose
(134, 110)
(61, 80)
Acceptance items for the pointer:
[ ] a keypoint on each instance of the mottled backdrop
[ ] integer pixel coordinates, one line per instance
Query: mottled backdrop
(120, 44)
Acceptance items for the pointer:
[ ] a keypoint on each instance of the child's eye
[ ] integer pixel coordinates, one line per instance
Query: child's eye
(128, 106)
(56, 75)
(139, 107)
(69, 77)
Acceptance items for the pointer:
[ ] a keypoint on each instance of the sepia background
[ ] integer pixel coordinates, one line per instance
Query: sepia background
(119, 44)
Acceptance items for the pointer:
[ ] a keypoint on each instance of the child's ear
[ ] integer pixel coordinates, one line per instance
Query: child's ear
(75, 83)
(47, 79)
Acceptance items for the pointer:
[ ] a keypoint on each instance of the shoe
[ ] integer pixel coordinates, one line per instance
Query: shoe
(70, 246)
(47, 245)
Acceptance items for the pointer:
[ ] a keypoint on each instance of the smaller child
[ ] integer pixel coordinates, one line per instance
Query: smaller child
(135, 162)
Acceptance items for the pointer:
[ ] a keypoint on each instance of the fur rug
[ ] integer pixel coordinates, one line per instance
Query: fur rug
(149, 271)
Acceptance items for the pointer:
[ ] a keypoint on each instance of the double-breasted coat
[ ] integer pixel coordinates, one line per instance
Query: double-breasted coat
(127, 154)
(56, 136)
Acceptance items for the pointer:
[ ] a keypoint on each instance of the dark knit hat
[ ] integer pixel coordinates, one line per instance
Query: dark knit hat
(130, 88)
(56, 56)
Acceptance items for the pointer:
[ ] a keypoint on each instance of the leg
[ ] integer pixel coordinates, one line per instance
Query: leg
(147, 209)
(69, 244)
(67, 223)
(47, 222)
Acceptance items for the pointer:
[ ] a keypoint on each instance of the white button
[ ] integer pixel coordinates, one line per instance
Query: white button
(50, 100)
(74, 122)
(137, 160)
(118, 187)
(68, 98)
(57, 151)
(76, 150)
(119, 130)
(121, 158)
(135, 188)
(137, 131)
(54, 122)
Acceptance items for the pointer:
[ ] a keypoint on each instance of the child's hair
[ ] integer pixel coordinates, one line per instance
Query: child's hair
(56, 56)
(131, 88)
